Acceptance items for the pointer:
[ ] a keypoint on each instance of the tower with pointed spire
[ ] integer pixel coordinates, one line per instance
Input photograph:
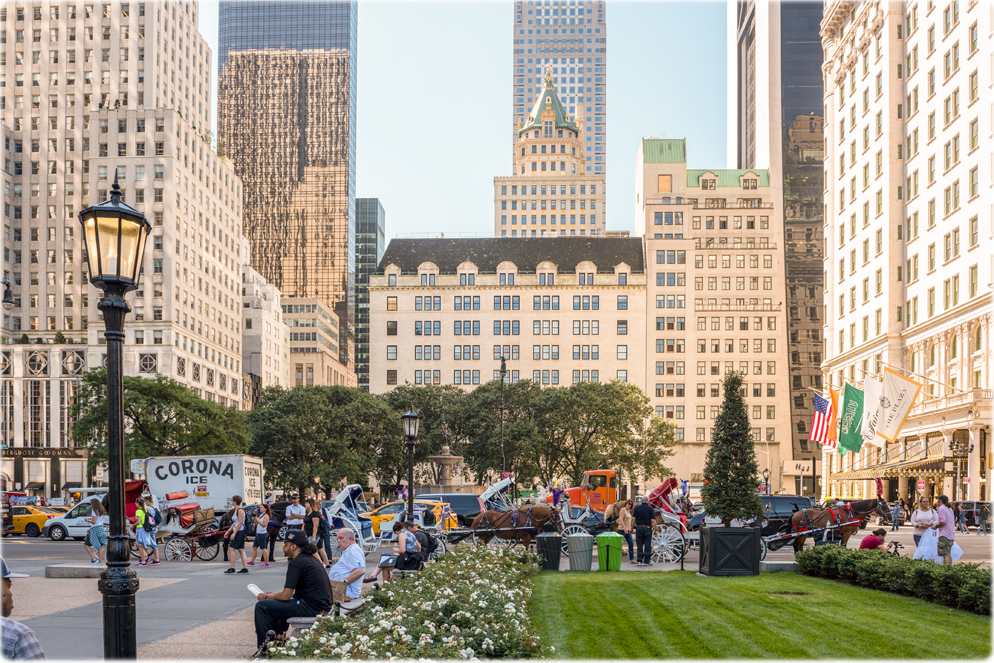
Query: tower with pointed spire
(550, 192)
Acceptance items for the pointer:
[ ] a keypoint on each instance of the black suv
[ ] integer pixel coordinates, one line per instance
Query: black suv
(466, 506)
(777, 511)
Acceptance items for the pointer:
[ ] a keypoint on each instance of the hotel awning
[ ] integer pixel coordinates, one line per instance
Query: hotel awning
(929, 467)
(35, 485)
(71, 484)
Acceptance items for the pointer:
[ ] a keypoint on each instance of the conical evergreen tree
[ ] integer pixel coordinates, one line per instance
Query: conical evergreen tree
(730, 469)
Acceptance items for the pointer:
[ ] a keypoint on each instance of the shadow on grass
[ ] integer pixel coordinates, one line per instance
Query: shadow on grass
(774, 615)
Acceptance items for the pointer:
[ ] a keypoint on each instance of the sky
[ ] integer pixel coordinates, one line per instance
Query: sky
(435, 103)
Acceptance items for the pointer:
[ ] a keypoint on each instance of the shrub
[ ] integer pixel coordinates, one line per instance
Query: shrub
(962, 586)
(470, 604)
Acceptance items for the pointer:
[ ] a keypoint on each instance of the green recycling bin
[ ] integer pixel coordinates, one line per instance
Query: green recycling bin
(609, 551)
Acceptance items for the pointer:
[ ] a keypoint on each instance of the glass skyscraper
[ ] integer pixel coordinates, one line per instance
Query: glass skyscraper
(775, 81)
(287, 119)
(571, 37)
(371, 241)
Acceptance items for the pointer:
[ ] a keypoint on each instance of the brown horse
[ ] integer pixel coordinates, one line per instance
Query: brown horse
(522, 524)
(818, 518)
(613, 511)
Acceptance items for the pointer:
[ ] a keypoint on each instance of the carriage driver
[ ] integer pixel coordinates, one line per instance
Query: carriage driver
(306, 590)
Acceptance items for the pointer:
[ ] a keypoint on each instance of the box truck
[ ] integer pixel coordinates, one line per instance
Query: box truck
(208, 480)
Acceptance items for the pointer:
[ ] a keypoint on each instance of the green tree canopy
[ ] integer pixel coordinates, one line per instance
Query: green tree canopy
(335, 434)
(730, 469)
(161, 418)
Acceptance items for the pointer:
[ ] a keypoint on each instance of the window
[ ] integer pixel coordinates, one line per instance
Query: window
(622, 352)
(391, 327)
(391, 377)
(623, 299)
(391, 352)
(392, 303)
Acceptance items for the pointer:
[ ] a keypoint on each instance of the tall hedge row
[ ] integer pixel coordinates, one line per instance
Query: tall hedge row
(963, 586)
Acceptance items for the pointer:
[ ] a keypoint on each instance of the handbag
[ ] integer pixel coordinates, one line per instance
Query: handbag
(338, 591)
(928, 547)
(387, 559)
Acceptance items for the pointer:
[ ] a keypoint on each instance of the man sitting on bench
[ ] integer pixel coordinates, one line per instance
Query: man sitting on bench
(351, 567)
(306, 590)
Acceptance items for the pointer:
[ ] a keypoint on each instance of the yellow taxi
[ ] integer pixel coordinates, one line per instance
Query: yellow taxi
(30, 519)
(385, 513)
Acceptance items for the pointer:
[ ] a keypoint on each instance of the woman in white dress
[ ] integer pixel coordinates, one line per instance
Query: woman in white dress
(923, 518)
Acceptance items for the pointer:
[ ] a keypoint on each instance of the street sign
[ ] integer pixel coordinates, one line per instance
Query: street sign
(966, 479)
(921, 485)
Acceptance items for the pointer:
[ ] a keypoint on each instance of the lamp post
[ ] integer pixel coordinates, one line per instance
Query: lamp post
(766, 478)
(115, 235)
(503, 375)
(411, 420)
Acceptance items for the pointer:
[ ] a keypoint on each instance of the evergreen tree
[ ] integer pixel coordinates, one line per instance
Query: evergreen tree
(730, 469)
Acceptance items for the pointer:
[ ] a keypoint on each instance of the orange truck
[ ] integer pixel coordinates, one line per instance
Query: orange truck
(599, 486)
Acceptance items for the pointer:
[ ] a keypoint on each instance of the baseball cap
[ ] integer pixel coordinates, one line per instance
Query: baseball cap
(294, 496)
(296, 537)
(7, 573)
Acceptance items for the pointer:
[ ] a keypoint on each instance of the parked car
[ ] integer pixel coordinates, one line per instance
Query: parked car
(466, 506)
(29, 520)
(972, 508)
(777, 511)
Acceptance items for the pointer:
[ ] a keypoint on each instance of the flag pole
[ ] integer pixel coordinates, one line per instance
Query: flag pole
(923, 377)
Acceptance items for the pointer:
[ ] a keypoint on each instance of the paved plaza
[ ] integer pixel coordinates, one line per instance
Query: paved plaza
(194, 607)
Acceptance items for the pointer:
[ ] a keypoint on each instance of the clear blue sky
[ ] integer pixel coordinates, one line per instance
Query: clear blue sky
(435, 102)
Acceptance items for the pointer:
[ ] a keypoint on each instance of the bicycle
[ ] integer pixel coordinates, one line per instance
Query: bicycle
(895, 548)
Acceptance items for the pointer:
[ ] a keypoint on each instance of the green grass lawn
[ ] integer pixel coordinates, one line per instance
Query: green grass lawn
(675, 614)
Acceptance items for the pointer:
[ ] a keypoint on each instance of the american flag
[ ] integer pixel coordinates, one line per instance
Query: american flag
(822, 422)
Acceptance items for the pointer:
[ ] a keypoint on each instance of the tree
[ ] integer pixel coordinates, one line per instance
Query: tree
(439, 405)
(161, 418)
(60, 338)
(730, 469)
(593, 425)
(334, 434)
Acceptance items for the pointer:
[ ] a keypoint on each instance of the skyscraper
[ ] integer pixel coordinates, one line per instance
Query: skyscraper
(571, 37)
(287, 119)
(371, 241)
(775, 80)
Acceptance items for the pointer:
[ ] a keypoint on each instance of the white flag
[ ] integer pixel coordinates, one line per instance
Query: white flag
(897, 395)
(872, 388)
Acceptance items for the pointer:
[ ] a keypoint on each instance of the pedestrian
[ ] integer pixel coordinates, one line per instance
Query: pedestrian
(922, 519)
(625, 527)
(874, 541)
(947, 532)
(896, 517)
(19, 643)
(312, 528)
(407, 545)
(961, 521)
(325, 531)
(261, 520)
(351, 566)
(904, 509)
(645, 520)
(306, 590)
(223, 525)
(295, 512)
(96, 536)
(236, 534)
(145, 533)
(982, 517)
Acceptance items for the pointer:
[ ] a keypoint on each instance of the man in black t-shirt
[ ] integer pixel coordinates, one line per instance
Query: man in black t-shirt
(644, 517)
(306, 590)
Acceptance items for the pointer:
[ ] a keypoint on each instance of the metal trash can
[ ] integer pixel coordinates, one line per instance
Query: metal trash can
(550, 548)
(609, 551)
(581, 551)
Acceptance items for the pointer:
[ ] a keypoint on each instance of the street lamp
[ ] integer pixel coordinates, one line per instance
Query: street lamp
(766, 478)
(411, 420)
(115, 235)
(503, 375)
(8, 296)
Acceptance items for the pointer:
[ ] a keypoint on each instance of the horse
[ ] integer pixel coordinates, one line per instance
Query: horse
(817, 518)
(524, 522)
(613, 512)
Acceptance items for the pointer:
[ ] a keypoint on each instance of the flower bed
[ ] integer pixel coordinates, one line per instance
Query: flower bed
(962, 586)
(470, 604)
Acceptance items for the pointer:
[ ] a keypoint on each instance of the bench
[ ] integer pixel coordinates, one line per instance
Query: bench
(297, 625)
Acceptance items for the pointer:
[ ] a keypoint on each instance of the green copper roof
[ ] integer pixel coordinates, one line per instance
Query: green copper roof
(548, 96)
(727, 177)
(664, 150)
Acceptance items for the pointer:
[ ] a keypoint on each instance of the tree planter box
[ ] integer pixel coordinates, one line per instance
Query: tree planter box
(730, 551)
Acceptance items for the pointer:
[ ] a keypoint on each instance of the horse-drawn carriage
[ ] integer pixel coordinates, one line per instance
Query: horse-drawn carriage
(345, 511)
(577, 520)
(187, 529)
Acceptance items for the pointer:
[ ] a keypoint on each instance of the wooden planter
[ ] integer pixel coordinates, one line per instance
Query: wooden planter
(730, 551)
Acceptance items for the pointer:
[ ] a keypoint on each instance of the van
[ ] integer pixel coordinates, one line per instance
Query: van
(466, 506)
(73, 524)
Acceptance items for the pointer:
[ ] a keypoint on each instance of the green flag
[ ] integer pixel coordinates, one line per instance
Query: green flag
(850, 418)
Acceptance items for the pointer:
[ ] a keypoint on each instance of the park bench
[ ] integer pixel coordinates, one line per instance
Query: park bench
(297, 625)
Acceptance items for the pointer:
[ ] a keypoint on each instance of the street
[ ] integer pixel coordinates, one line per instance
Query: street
(193, 610)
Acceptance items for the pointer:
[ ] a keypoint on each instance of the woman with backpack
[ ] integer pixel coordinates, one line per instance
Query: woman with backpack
(145, 533)
(96, 537)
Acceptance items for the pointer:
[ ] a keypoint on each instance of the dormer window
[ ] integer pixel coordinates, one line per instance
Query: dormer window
(548, 128)
(547, 278)
(507, 278)
(749, 184)
(392, 279)
(427, 279)
(622, 278)
(467, 279)
(709, 184)
(586, 278)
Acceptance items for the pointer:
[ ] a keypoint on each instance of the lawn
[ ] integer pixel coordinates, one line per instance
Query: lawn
(673, 614)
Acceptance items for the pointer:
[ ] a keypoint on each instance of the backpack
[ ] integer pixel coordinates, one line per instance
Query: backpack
(156, 517)
(148, 524)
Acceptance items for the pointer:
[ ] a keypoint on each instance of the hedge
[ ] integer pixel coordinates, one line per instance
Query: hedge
(962, 586)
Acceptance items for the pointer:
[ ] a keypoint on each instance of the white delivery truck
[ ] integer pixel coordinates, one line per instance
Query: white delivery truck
(209, 480)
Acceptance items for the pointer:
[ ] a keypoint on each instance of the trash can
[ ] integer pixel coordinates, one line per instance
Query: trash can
(609, 551)
(550, 548)
(581, 551)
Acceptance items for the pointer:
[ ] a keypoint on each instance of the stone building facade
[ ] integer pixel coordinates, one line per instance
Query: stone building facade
(265, 338)
(908, 235)
(315, 334)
